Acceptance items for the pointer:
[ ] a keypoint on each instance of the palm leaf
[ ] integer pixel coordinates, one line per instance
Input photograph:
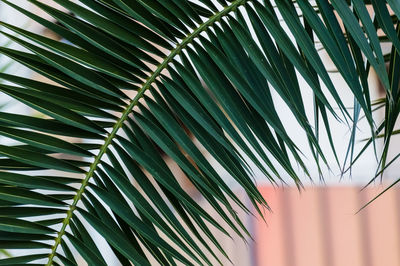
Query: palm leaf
(137, 77)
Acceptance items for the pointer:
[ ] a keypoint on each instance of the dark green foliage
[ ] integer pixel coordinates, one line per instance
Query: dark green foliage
(130, 82)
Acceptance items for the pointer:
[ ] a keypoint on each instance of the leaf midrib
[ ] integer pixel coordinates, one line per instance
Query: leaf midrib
(147, 85)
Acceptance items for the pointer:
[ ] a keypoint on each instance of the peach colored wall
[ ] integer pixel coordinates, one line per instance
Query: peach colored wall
(319, 227)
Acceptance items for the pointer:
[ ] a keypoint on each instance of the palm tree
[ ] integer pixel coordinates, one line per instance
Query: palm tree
(137, 77)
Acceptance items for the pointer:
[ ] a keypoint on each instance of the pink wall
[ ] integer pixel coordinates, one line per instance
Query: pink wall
(319, 227)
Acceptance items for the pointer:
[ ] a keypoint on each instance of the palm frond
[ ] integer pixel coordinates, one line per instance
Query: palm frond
(137, 77)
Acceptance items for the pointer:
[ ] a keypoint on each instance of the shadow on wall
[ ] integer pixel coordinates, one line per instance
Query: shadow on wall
(319, 227)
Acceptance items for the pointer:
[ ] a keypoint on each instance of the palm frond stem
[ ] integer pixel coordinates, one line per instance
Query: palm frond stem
(110, 136)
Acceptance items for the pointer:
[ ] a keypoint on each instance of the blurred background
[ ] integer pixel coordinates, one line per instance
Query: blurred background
(316, 226)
